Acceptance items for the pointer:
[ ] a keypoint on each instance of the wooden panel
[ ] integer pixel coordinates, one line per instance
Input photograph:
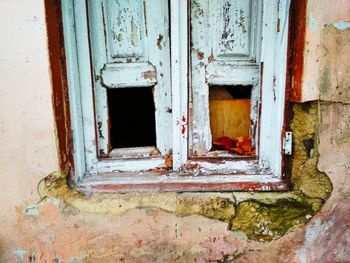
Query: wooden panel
(227, 55)
(233, 27)
(147, 151)
(157, 16)
(188, 186)
(200, 139)
(126, 28)
(130, 48)
(220, 73)
(99, 58)
(124, 75)
(179, 80)
(152, 181)
(229, 117)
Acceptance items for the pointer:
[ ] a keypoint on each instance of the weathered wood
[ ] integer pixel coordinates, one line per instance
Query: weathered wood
(179, 81)
(129, 165)
(125, 28)
(99, 57)
(130, 48)
(229, 117)
(200, 136)
(147, 151)
(126, 75)
(204, 57)
(226, 56)
(228, 73)
(157, 17)
(75, 107)
(233, 27)
(148, 181)
(274, 59)
(86, 86)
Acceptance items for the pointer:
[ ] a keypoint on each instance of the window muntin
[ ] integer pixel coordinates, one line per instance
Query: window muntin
(266, 169)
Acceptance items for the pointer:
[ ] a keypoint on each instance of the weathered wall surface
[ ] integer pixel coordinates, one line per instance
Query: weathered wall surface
(321, 16)
(65, 226)
(27, 142)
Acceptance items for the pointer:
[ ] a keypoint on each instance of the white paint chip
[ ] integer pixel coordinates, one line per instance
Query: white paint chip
(31, 211)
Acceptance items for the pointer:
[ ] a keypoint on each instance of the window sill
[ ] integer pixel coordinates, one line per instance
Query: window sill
(179, 182)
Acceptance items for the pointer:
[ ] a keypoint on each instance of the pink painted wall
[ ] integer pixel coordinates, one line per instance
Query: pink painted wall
(319, 14)
(53, 231)
(27, 130)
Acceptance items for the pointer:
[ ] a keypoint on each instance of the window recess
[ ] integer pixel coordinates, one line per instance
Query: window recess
(209, 88)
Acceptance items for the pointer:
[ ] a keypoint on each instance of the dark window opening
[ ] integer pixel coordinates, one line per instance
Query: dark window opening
(131, 117)
(229, 110)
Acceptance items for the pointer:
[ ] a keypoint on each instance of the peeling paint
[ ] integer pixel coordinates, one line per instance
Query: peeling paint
(312, 21)
(31, 211)
(342, 25)
(150, 74)
(20, 253)
(249, 216)
(159, 41)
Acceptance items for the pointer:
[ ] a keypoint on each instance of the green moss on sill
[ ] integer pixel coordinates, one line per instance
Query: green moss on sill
(261, 221)
(182, 205)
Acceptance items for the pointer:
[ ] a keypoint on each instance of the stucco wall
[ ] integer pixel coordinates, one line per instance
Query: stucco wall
(27, 141)
(72, 228)
(321, 14)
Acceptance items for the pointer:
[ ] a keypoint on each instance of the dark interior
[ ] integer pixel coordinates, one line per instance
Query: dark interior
(132, 117)
(236, 91)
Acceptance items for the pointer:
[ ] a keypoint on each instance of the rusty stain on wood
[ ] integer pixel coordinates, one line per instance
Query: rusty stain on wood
(296, 47)
(60, 99)
(183, 186)
(150, 74)
(159, 41)
(200, 55)
(211, 58)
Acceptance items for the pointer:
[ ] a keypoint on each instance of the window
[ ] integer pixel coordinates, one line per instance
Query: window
(164, 100)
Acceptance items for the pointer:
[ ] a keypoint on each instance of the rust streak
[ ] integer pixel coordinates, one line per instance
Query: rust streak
(200, 55)
(185, 186)
(150, 74)
(159, 41)
(296, 47)
(60, 100)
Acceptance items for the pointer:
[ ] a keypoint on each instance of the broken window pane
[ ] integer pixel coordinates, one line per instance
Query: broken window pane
(131, 117)
(229, 109)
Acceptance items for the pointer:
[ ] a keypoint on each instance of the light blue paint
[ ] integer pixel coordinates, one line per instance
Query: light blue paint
(342, 25)
(312, 21)
(20, 254)
(79, 259)
(31, 211)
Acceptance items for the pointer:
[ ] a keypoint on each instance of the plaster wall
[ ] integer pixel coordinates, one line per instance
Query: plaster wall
(27, 131)
(320, 15)
(64, 226)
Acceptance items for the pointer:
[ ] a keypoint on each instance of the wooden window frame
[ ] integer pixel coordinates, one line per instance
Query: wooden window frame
(266, 173)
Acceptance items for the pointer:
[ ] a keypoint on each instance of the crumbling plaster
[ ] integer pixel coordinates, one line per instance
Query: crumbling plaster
(320, 16)
(62, 225)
